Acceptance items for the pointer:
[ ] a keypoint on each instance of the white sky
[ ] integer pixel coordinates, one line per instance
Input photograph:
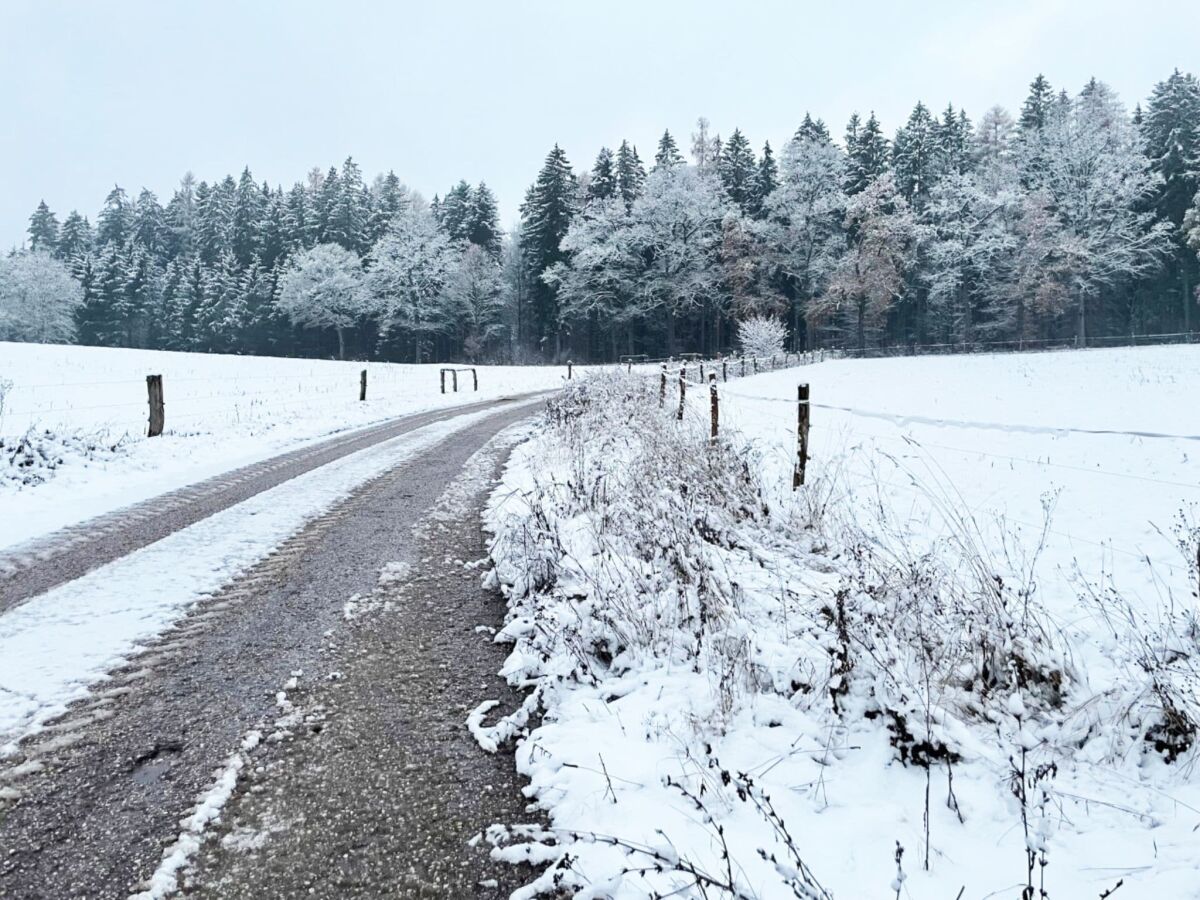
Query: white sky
(139, 91)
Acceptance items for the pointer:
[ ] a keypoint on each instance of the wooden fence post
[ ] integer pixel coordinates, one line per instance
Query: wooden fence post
(362, 386)
(724, 370)
(682, 391)
(629, 369)
(154, 389)
(475, 376)
(569, 366)
(662, 387)
(454, 379)
(755, 365)
(702, 373)
(712, 402)
(442, 373)
(801, 435)
(743, 367)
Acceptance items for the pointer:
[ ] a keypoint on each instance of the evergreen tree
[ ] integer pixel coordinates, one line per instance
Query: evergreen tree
(867, 150)
(148, 225)
(913, 156)
(249, 208)
(737, 170)
(454, 210)
(1170, 133)
(74, 238)
(483, 221)
(1035, 112)
(631, 175)
(299, 223)
(545, 217)
(668, 155)
(112, 226)
(180, 217)
(603, 183)
(347, 214)
(390, 197)
(214, 213)
(766, 179)
(816, 130)
(43, 229)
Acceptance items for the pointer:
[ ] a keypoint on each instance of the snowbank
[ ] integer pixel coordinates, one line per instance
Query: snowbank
(984, 651)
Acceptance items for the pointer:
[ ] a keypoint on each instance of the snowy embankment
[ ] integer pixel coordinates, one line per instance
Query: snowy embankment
(222, 412)
(972, 634)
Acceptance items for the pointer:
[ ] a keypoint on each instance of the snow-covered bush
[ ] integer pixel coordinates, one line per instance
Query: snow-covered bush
(761, 336)
(35, 457)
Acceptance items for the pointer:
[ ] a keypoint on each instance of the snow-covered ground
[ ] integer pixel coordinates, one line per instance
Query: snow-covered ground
(56, 646)
(986, 591)
(222, 412)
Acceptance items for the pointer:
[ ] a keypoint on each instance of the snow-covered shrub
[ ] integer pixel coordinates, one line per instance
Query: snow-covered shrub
(35, 457)
(761, 336)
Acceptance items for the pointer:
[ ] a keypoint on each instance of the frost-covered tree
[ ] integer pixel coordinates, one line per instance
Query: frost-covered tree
(323, 288)
(804, 218)
(112, 225)
(914, 156)
(761, 335)
(475, 297)
(38, 299)
(603, 181)
(766, 179)
(677, 228)
(599, 278)
(631, 174)
(738, 169)
(43, 229)
(1097, 181)
(869, 275)
(75, 238)
(868, 153)
(408, 272)
(668, 155)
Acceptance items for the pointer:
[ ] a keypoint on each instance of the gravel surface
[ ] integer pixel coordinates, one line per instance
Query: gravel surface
(376, 779)
(33, 568)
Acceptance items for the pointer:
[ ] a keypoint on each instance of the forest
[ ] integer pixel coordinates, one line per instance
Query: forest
(1074, 218)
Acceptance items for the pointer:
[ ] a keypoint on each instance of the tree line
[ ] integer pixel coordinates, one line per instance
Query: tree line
(1074, 218)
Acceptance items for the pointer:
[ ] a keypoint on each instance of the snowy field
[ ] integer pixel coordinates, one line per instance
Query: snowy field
(973, 633)
(222, 412)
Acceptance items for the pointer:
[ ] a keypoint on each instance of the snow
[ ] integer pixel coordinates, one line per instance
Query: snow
(222, 412)
(55, 646)
(740, 747)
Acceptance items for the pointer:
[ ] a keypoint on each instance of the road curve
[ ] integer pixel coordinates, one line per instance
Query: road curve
(359, 686)
(35, 567)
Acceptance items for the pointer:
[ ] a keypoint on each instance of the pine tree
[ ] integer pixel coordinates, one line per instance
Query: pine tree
(74, 238)
(483, 221)
(249, 208)
(914, 156)
(390, 198)
(347, 214)
(766, 179)
(737, 170)
(867, 150)
(816, 130)
(603, 183)
(43, 229)
(214, 212)
(545, 217)
(181, 218)
(148, 225)
(1035, 111)
(453, 211)
(112, 226)
(668, 155)
(631, 175)
(299, 224)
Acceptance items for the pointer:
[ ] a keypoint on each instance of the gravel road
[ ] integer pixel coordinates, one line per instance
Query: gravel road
(33, 568)
(366, 782)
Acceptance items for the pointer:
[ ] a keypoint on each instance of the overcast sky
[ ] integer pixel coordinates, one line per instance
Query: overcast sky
(137, 93)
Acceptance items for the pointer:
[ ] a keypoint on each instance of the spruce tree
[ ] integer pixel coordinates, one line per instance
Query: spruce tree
(545, 217)
(737, 170)
(603, 183)
(631, 175)
(668, 155)
(43, 229)
(249, 208)
(914, 156)
(766, 179)
(390, 198)
(815, 129)
(867, 149)
(347, 213)
(453, 211)
(74, 238)
(1035, 111)
(148, 225)
(483, 221)
(112, 225)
